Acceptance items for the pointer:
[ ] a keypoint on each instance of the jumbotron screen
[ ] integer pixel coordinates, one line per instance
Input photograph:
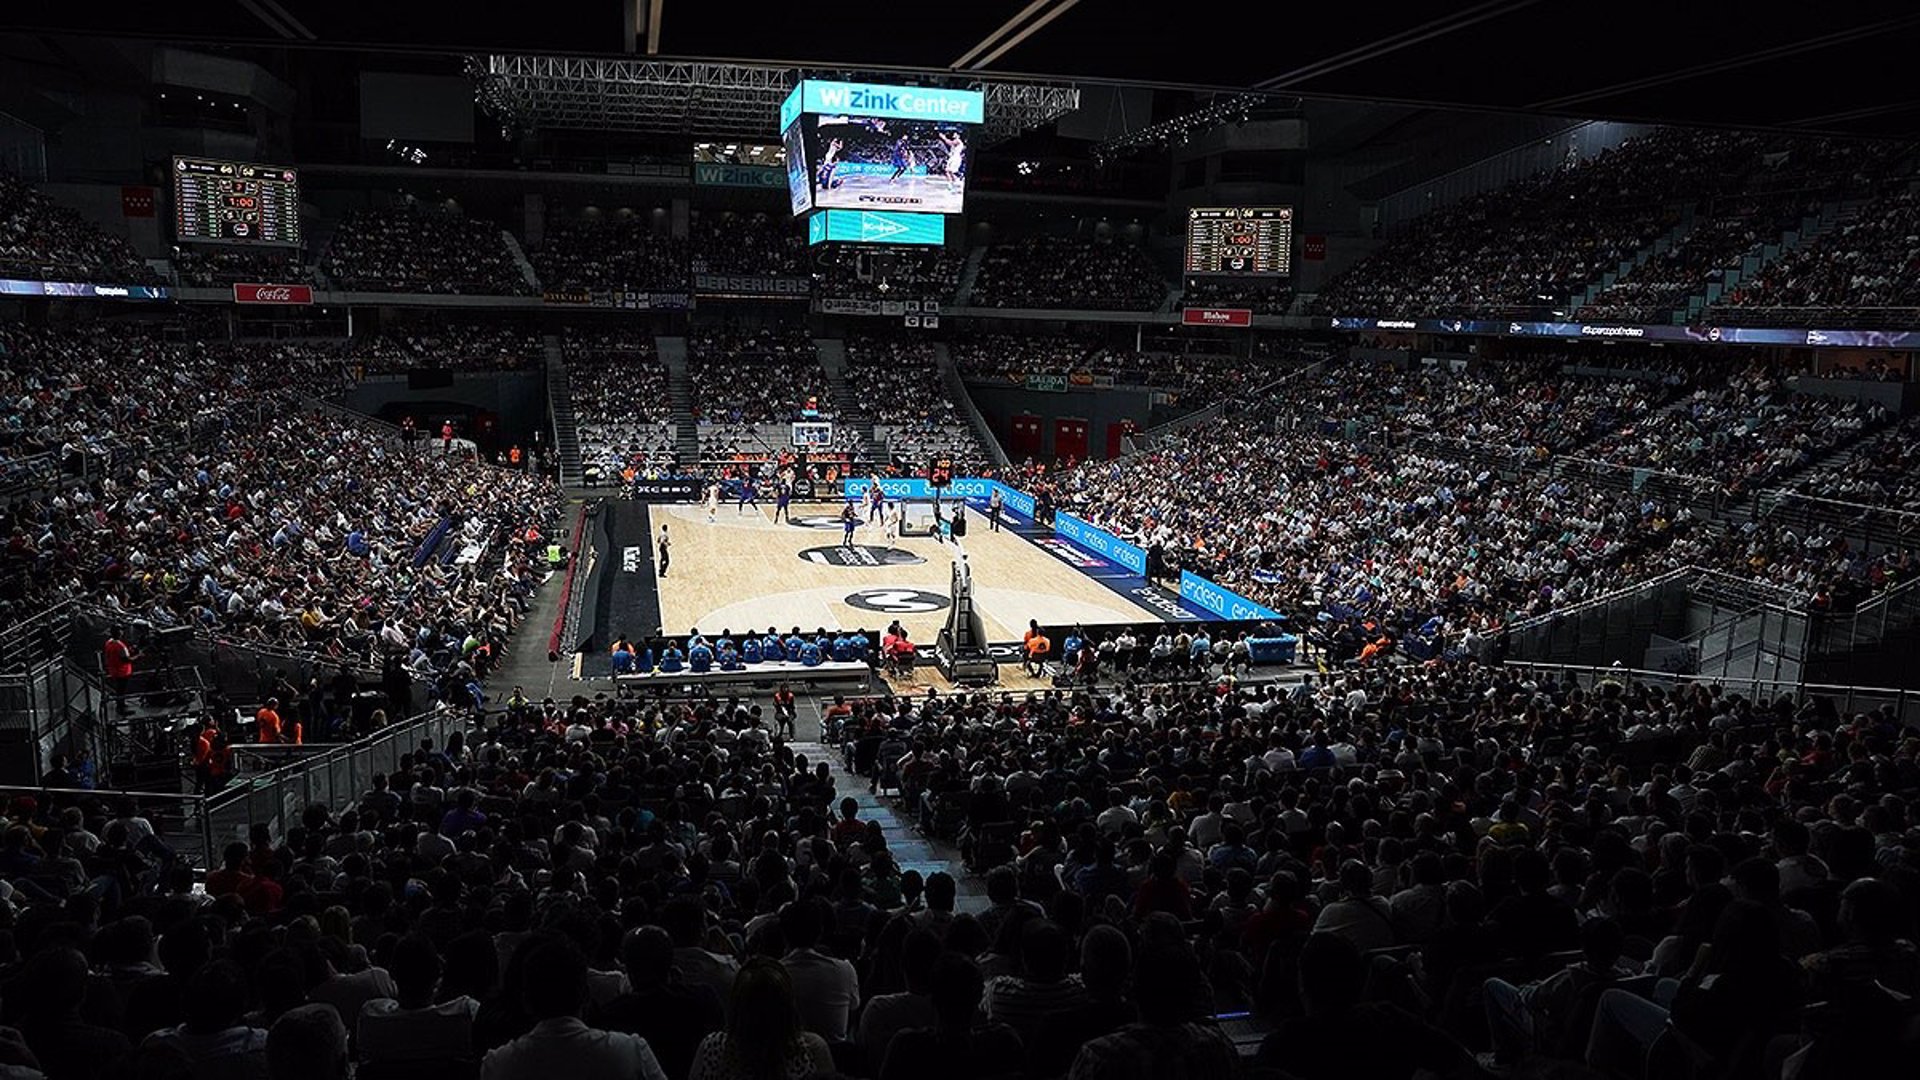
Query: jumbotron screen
(234, 202)
(1244, 240)
(861, 146)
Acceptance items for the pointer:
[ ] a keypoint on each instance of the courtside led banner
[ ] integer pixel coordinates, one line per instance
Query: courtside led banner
(871, 99)
(876, 227)
(1703, 335)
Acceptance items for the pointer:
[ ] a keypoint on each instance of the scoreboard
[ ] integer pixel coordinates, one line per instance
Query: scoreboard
(1240, 240)
(232, 202)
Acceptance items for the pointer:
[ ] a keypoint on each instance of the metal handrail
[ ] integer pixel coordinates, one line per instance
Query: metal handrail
(1602, 600)
(1901, 697)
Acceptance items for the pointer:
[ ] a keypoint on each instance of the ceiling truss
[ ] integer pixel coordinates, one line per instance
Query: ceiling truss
(695, 98)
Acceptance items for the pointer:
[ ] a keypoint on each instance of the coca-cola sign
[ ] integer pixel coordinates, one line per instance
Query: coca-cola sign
(272, 294)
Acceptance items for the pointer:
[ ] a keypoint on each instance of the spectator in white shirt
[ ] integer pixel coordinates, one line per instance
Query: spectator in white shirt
(826, 987)
(554, 991)
(1117, 816)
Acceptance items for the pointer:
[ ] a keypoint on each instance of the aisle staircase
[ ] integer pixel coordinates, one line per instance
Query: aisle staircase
(910, 849)
(1830, 216)
(673, 354)
(1662, 244)
(566, 433)
(963, 292)
(957, 390)
(520, 259)
(848, 410)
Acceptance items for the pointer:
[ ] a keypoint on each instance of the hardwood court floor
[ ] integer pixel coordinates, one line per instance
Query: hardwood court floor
(745, 571)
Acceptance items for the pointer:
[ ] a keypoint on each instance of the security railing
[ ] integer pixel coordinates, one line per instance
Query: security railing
(1848, 700)
(332, 777)
(180, 821)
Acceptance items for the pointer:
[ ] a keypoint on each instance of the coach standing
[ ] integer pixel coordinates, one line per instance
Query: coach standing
(993, 511)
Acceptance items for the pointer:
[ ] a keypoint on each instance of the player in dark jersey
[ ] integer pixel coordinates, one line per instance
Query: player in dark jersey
(902, 159)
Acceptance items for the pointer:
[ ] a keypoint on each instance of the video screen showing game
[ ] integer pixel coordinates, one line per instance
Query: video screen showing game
(879, 162)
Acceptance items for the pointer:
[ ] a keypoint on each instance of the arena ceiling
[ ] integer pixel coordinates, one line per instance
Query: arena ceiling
(1826, 68)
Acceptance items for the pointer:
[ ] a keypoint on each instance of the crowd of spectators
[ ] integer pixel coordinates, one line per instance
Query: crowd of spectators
(208, 267)
(898, 383)
(1880, 470)
(1317, 501)
(997, 357)
(621, 410)
(40, 240)
(1445, 869)
(1653, 290)
(626, 253)
(912, 274)
(1534, 243)
(1264, 296)
(421, 249)
(1068, 272)
(1868, 262)
(1745, 429)
(209, 498)
(450, 345)
(730, 243)
(753, 377)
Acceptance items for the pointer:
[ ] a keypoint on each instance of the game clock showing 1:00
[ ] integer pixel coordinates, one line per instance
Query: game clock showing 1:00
(234, 202)
(1239, 239)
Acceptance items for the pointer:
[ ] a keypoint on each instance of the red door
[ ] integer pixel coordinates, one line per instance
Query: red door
(1069, 439)
(1117, 432)
(1023, 437)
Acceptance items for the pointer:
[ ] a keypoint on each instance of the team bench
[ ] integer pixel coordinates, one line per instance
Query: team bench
(791, 671)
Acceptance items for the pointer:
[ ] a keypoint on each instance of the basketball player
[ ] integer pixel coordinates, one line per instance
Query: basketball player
(713, 500)
(902, 159)
(829, 162)
(876, 499)
(849, 521)
(891, 518)
(662, 550)
(782, 495)
(956, 154)
(749, 495)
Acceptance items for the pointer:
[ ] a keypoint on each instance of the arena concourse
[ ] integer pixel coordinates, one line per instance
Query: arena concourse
(530, 552)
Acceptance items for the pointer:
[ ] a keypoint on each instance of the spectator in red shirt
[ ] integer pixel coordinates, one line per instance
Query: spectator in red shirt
(116, 657)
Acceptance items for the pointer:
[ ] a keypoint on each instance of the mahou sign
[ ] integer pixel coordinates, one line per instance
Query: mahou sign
(1216, 316)
(273, 294)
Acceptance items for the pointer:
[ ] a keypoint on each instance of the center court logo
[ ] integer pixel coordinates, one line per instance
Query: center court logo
(860, 555)
(896, 601)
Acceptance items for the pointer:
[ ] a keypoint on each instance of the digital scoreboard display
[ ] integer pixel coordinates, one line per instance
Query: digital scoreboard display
(1240, 240)
(233, 202)
(868, 146)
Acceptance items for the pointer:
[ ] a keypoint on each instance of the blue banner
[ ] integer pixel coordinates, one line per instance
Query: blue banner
(914, 487)
(1101, 543)
(1015, 500)
(1225, 603)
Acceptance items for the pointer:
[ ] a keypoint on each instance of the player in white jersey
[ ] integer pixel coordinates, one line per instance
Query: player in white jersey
(891, 517)
(956, 154)
(713, 501)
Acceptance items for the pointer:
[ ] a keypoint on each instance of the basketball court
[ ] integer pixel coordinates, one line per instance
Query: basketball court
(743, 570)
(874, 191)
